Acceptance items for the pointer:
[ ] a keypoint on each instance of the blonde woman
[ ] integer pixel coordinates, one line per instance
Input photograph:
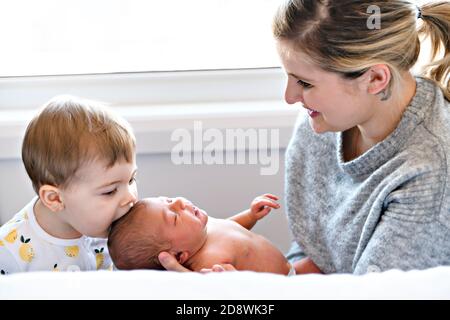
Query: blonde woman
(368, 166)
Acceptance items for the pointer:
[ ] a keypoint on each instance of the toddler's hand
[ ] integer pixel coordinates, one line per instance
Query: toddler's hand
(262, 205)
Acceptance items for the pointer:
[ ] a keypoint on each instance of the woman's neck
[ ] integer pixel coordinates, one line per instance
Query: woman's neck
(383, 122)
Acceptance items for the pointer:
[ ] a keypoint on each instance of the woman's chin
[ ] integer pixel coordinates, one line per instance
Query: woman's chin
(318, 127)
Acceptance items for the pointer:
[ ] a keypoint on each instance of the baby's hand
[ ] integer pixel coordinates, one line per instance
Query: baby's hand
(262, 205)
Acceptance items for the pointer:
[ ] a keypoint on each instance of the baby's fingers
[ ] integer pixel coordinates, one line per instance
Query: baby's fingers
(270, 196)
(268, 203)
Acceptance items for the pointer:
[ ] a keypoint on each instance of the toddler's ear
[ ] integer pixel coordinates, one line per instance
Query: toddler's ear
(182, 257)
(50, 197)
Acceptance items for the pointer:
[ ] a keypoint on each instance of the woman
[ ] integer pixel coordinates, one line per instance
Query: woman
(367, 179)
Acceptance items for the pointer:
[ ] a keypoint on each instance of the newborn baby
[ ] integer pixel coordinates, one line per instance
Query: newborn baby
(198, 242)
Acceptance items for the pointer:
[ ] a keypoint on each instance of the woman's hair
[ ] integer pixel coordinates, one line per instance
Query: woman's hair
(132, 245)
(337, 35)
(68, 132)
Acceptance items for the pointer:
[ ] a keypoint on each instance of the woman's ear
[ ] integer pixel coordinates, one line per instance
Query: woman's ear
(51, 198)
(379, 79)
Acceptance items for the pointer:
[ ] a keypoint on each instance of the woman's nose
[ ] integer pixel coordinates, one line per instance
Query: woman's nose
(293, 93)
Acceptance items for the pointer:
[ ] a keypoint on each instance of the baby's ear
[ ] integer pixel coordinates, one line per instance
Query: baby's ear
(182, 257)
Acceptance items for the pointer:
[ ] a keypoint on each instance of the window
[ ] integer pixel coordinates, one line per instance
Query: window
(54, 37)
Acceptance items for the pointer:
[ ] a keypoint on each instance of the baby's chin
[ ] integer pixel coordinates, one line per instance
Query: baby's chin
(203, 216)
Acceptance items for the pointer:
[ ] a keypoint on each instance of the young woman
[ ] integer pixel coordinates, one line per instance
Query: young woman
(368, 167)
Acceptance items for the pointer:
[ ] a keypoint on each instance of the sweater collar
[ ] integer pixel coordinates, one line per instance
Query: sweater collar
(386, 149)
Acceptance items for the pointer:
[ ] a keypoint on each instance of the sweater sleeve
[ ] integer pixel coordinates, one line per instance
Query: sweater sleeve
(408, 234)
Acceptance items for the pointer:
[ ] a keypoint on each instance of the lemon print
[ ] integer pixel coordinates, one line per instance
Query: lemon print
(72, 251)
(55, 267)
(99, 257)
(25, 215)
(26, 251)
(1, 243)
(12, 236)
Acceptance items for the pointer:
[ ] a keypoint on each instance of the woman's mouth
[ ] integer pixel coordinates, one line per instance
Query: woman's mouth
(312, 113)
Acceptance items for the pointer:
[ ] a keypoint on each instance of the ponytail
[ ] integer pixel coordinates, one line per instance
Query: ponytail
(436, 25)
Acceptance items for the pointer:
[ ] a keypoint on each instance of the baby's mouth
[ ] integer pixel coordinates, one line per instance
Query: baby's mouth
(196, 211)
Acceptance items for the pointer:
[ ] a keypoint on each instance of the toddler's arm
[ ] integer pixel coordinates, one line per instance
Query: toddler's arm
(259, 208)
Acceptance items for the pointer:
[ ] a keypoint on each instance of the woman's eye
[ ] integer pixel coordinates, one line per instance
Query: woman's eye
(304, 84)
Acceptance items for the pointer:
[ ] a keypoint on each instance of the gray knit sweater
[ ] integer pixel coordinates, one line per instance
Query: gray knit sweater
(388, 208)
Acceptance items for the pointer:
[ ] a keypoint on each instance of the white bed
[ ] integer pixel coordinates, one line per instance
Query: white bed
(427, 284)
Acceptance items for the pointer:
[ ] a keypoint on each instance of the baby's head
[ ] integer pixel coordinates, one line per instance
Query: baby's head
(154, 225)
(80, 157)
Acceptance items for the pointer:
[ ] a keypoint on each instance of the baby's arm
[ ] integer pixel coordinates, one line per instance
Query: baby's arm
(259, 208)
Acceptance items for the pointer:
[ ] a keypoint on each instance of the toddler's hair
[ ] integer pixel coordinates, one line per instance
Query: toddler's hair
(131, 245)
(68, 132)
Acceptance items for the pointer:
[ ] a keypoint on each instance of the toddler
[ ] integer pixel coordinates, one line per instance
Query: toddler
(80, 158)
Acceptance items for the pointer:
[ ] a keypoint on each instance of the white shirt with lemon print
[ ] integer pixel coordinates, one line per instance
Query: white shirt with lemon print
(25, 246)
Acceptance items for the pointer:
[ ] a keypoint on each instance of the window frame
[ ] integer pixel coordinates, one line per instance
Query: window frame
(156, 103)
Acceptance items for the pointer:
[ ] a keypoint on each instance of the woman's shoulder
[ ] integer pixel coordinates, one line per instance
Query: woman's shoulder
(437, 118)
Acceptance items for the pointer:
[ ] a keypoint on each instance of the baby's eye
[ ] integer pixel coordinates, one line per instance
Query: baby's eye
(169, 200)
(304, 84)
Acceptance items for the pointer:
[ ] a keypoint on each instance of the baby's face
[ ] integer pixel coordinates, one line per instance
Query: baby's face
(179, 221)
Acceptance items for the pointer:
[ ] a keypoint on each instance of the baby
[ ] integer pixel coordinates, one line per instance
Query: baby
(198, 242)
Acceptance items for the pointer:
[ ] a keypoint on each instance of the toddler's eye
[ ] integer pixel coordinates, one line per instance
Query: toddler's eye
(133, 180)
(110, 193)
(169, 200)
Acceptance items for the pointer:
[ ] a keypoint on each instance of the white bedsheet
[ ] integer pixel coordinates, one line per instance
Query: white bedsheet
(427, 284)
